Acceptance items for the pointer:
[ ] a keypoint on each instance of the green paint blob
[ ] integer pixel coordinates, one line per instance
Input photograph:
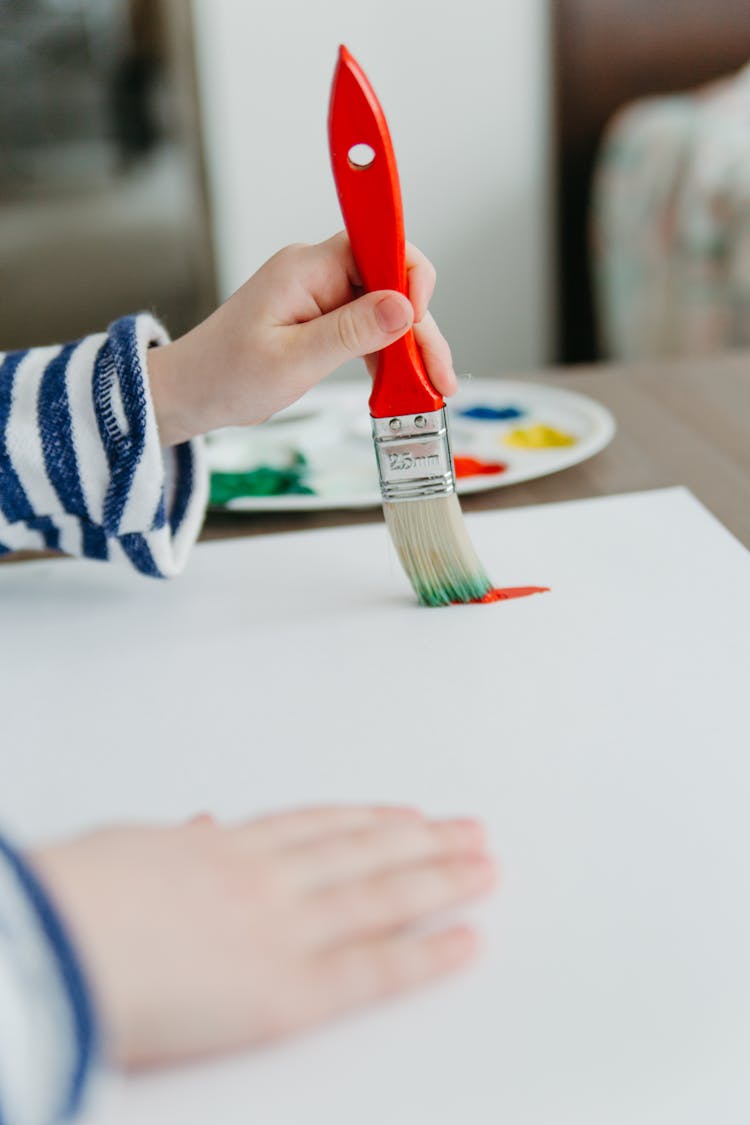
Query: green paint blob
(263, 480)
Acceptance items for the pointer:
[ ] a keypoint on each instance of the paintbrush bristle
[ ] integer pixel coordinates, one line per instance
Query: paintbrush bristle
(435, 550)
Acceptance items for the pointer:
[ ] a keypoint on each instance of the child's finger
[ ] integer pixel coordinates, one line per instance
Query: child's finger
(355, 329)
(436, 354)
(341, 248)
(421, 278)
(420, 272)
(357, 975)
(396, 899)
(328, 271)
(281, 830)
(391, 843)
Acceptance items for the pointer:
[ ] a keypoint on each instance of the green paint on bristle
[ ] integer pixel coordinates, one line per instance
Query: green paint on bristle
(457, 591)
(435, 550)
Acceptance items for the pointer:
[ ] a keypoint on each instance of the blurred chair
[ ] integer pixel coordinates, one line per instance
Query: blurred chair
(671, 225)
(608, 53)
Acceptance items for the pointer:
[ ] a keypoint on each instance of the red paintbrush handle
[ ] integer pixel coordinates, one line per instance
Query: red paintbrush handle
(370, 199)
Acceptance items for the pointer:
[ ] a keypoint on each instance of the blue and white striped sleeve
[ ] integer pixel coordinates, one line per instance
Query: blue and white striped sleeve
(81, 467)
(48, 1037)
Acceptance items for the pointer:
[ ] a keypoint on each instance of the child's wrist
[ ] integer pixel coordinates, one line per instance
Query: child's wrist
(175, 419)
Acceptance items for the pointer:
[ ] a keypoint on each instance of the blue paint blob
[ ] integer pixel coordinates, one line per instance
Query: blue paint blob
(493, 413)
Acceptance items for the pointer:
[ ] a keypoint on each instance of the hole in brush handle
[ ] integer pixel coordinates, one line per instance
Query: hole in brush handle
(361, 156)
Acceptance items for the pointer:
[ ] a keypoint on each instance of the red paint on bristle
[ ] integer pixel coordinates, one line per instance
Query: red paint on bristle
(471, 467)
(502, 595)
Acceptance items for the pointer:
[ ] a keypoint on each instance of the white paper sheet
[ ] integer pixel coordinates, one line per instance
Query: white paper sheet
(601, 730)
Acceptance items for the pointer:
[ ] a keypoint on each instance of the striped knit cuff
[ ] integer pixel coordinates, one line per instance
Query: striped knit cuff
(47, 1026)
(156, 499)
(81, 467)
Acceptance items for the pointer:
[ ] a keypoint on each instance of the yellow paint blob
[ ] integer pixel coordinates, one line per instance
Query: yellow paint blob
(538, 436)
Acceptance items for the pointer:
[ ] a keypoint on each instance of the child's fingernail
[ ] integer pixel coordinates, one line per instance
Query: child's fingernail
(390, 314)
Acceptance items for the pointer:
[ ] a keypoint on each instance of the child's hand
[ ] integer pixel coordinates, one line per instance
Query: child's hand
(201, 939)
(296, 320)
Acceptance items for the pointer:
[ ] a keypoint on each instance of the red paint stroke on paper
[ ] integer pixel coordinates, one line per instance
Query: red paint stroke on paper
(471, 467)
(502, 595)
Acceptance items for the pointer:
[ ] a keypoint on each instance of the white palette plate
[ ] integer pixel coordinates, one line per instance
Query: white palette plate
(330, 427)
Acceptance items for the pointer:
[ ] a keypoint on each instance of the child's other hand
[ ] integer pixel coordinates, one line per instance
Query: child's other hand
(294, 322)
(201, 939)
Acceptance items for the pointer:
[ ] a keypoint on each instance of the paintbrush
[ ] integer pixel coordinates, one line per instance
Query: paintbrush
(409, 422)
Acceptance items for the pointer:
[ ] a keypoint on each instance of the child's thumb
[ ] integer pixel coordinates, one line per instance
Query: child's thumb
(356, 329)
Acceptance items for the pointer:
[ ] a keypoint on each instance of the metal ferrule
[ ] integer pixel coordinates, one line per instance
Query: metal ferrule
(413, 455)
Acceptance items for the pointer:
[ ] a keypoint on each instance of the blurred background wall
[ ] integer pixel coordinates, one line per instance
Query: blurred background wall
(465, 89)
(102, 201)
(571, 166)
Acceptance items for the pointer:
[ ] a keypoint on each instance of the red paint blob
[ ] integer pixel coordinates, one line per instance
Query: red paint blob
(471, 467)
(510, 592)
